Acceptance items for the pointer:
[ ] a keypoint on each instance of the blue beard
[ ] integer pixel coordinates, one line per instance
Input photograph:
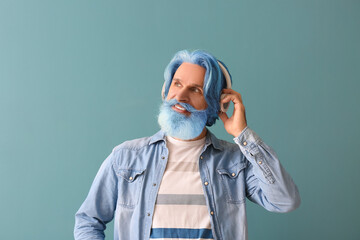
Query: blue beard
(179, 125)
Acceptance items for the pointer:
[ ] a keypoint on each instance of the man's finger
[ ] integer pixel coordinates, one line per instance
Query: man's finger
(231, 91)
(230, 97)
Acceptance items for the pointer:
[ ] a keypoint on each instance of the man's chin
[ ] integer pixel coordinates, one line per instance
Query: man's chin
(180, 126)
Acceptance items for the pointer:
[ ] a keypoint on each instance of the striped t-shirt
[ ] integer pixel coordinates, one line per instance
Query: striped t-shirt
(180, 209)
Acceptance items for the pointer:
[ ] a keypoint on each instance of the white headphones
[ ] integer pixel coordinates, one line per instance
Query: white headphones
(224, 106)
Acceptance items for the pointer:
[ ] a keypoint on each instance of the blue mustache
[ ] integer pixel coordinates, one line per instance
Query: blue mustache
(187, 106)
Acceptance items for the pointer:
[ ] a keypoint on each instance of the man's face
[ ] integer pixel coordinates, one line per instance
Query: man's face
(183, 113)
(187, 87)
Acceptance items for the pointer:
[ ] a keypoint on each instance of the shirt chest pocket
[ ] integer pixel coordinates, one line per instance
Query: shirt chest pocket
(129, 186)
(233, 182)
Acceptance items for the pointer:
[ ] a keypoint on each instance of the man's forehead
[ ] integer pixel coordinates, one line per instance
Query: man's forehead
(190, 73)
(192, 66)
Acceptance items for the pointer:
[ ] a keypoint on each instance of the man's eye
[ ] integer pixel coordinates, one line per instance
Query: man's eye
(177, 84)
(196, 90)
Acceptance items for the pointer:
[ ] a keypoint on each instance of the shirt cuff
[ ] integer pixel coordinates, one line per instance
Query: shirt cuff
(249, 143)
(247, 138)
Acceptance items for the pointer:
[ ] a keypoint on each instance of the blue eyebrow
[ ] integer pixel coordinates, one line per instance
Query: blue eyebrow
(193, 85)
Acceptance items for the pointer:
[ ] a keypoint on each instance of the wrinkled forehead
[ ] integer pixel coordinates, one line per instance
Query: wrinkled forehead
(190, 73)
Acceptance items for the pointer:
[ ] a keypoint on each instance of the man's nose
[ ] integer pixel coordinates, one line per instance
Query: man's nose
(182, 95)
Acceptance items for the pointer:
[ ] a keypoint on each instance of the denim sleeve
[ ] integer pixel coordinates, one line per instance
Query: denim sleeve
(99, 206)
(267, 182)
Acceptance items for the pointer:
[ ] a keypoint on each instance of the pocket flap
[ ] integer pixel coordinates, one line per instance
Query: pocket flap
(233, 171)
(130, 174)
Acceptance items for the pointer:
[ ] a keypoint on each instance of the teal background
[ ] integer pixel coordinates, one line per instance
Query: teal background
(79, 77)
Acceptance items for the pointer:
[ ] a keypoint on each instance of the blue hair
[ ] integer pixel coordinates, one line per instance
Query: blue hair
(214, 80)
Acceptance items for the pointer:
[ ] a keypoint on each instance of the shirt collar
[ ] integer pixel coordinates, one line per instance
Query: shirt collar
(210, 139)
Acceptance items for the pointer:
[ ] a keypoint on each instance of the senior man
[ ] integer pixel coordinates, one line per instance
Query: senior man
(183, 182)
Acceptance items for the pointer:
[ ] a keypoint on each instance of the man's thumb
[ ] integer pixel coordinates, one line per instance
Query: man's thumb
(223, 116)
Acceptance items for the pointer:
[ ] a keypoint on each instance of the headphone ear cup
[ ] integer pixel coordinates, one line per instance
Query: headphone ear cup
(163, 91)
(224, 106)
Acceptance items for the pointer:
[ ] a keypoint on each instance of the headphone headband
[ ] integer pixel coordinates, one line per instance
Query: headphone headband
(226, 74)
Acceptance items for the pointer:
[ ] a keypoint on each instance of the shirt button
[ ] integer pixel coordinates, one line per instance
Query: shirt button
(260, 162)
(148, 214)
(201, 157)
(131, 178)
(233, 174)
(212, 213)
(162, 157)
(154, 184)
(206, 183)
(244, 143)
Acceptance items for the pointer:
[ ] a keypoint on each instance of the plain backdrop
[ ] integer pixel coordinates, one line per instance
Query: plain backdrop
(79, 77)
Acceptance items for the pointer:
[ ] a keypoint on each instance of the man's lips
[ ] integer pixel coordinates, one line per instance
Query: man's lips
(180, 109)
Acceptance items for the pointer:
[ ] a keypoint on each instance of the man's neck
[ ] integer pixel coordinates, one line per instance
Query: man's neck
(202, 134)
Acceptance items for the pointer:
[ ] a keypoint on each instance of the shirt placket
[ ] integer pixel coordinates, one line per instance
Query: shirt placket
(208, 191)
(155, 187)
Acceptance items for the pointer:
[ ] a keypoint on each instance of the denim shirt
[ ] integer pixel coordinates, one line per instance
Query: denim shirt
(126, 186)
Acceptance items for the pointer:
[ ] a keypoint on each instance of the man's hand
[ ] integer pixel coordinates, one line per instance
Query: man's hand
(237, 122)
